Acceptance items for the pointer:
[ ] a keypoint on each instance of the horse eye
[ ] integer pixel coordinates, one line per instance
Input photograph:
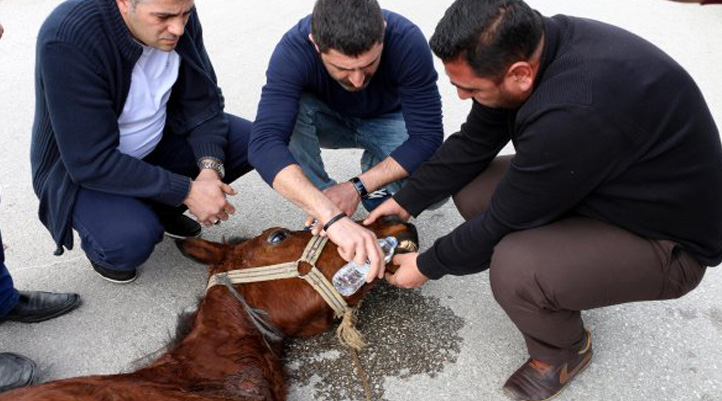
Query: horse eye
(278, 236)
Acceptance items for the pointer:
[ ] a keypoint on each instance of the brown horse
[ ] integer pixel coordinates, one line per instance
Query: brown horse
(224, 356)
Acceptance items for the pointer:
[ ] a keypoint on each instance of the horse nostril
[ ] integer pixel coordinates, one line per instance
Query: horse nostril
(277, 236)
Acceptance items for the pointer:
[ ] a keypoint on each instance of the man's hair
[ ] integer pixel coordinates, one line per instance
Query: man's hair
(490, 35)
(351, 27)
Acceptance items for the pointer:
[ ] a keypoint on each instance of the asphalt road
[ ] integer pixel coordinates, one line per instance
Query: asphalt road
(446, 341)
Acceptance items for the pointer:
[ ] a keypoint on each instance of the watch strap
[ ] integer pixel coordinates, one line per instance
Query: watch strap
(359, 186)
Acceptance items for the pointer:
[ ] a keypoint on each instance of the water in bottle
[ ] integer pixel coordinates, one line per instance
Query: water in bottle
(352, 276)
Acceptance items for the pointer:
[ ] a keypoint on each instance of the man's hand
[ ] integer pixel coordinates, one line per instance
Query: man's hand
(355, 241)
(388, 208)
(408, 274)
(207, 198)
(344, 196)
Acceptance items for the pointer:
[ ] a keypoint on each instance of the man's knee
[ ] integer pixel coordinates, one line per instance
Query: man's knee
(512, 272)
(129, 247)
(466, 204)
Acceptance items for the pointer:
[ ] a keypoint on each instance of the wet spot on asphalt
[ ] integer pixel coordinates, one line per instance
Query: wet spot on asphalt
(407, 334)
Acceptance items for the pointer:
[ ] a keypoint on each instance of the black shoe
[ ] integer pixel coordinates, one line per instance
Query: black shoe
(36, 306)
(16, 371)
(115, 276)
(374, 199)
(180, 226)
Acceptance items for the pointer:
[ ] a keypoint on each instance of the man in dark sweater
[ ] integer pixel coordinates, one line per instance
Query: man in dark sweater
(130, 130)
(350, 75)
(614, 194)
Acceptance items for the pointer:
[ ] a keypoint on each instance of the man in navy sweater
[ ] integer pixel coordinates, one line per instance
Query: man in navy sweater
(130, 130)
(614, 194)
(348, 76)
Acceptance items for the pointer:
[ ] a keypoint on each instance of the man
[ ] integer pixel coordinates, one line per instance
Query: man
(26, 307)
(614, 194)
(350, 75)
(127, 111)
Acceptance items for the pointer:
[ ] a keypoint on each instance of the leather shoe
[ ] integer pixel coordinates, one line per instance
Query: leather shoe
(540, 381)
(15, 371)
(37, 306)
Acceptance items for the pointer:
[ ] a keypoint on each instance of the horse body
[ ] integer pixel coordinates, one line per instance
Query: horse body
(225, 356)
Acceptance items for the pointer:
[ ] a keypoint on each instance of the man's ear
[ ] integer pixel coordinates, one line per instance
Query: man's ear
(310, 37)
(521, 76)
(123, 6)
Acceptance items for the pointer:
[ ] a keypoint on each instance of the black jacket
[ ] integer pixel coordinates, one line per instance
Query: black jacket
(614, 130)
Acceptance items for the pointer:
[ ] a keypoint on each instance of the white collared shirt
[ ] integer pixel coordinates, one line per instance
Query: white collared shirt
(143, 118)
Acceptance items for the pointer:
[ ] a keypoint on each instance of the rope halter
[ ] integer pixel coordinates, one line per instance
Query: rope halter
(347, 333)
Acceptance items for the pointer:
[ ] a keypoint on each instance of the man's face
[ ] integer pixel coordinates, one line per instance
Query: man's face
(490, 93)
(156, 23)
(353, 73)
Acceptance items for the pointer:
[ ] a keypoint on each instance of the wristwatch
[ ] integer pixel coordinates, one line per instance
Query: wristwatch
(359, 187)
(213, 164)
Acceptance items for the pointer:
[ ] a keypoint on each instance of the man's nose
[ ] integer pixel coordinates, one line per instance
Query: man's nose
(357, 78)
(463, 94)
(177, 27)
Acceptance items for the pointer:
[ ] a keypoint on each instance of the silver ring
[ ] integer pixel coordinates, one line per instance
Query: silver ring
(217, 221)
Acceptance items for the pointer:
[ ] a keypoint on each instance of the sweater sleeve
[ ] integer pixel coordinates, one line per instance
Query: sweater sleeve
(277, 110)
(556, 165)
(460, 159)
(208, 139)
(420, 101)
(86, 130)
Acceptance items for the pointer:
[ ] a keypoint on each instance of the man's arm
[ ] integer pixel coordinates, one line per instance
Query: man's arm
(353, 241)
(460, 159)
(209, 138)
(562, 157)
(412, 66)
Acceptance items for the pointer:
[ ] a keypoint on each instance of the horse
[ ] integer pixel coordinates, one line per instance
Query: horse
(228, 350)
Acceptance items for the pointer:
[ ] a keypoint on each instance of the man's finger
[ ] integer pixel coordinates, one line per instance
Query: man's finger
(228, 189)
(391, 279)
(372, 216)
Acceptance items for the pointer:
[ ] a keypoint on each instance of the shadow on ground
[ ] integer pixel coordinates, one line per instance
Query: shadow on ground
(407, 334)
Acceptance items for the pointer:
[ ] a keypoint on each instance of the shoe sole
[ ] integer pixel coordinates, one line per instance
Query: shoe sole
(116, 281)
(582, 366)
(174, 236)
(65, 309)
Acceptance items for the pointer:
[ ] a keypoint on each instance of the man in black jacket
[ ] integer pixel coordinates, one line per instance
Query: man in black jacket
(614, 194)
(130, 130)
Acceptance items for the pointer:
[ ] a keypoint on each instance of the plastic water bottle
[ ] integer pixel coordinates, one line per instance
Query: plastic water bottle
(352, 276)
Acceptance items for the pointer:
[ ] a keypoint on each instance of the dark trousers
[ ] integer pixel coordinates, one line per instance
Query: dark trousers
(544, 277)
(8, 294)
(120, 232)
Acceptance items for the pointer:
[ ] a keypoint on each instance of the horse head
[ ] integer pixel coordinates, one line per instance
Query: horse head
(291, 305)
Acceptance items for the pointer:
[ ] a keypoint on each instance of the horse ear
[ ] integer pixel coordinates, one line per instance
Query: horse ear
(202, 251)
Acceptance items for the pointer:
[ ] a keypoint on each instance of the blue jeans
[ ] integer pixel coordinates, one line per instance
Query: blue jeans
(120, 232)
(9, 296)
(318, 126)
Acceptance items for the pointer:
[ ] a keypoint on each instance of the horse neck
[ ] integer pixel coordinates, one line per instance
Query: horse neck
(222, 342)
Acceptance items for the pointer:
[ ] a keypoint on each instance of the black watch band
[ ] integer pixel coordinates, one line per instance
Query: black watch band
(359, 186)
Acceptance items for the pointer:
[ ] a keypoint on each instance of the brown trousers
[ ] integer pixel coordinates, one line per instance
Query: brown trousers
(544, 277)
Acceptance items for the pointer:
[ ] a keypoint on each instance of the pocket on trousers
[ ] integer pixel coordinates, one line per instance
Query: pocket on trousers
(683, 271)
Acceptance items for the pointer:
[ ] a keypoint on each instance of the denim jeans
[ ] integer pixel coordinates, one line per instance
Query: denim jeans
(9, 296)
(120, 232)
(318, 126)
